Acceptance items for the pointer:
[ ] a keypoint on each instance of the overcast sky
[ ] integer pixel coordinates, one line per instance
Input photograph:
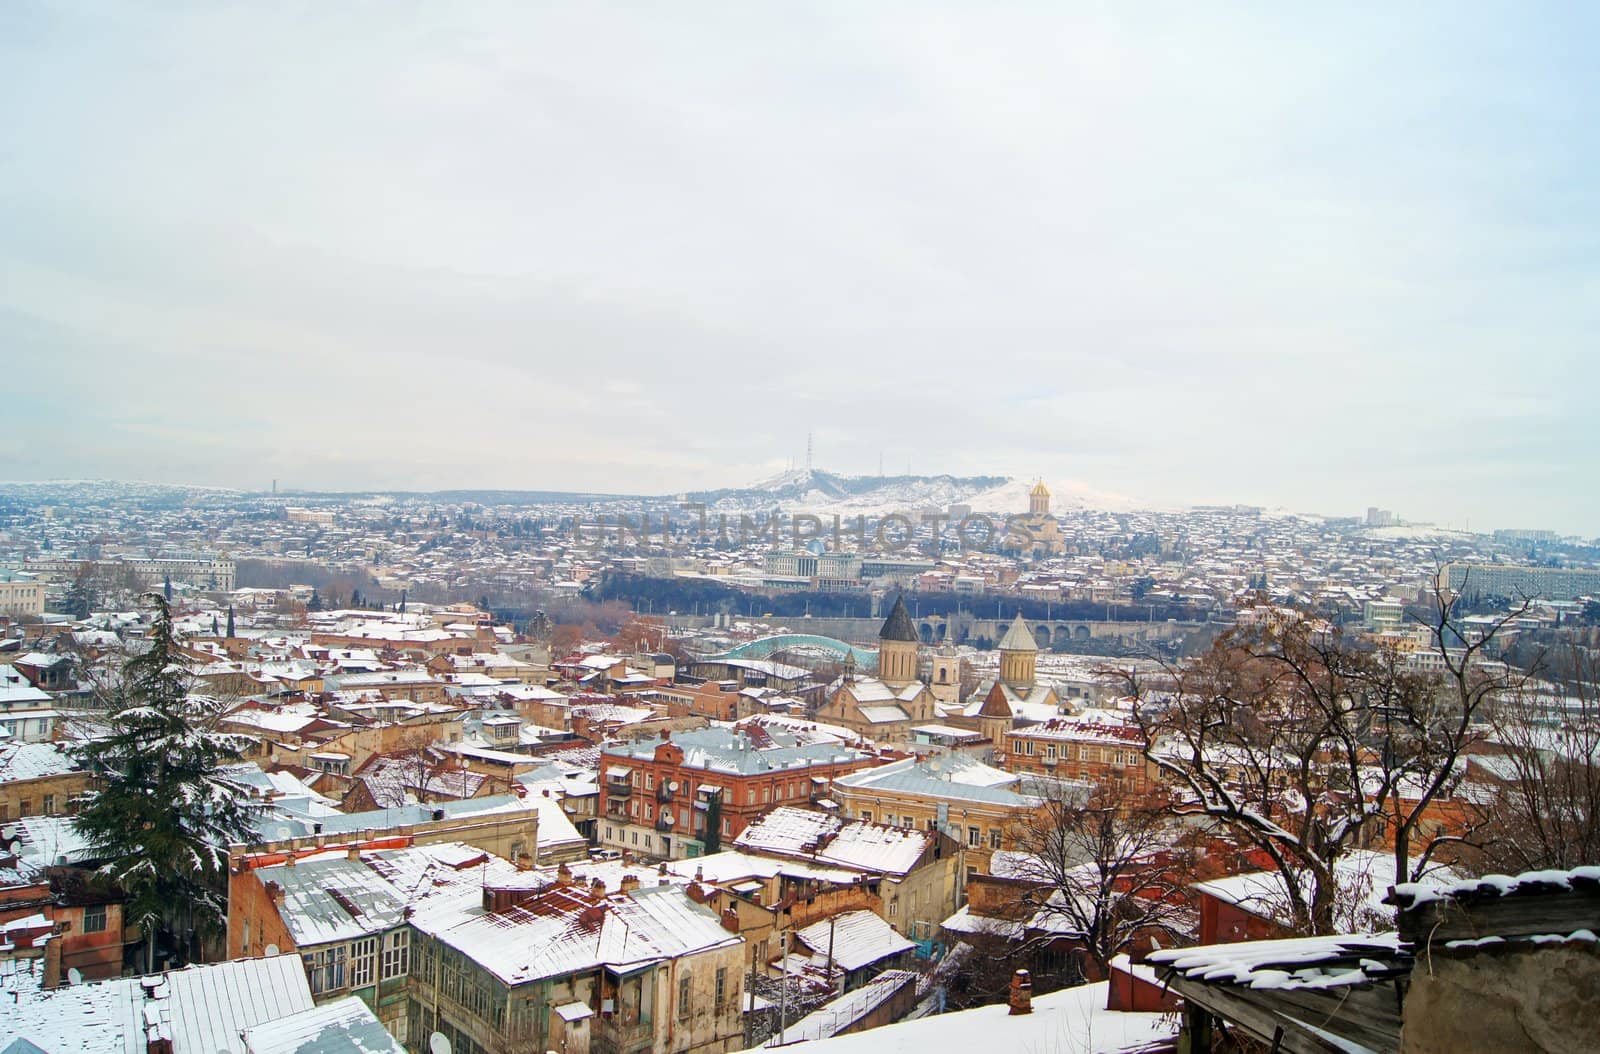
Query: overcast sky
(1323, 256)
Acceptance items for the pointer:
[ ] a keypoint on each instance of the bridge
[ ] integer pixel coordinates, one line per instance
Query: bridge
(833, 648)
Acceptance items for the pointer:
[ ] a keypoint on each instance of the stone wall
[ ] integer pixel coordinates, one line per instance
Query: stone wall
(1504, 999)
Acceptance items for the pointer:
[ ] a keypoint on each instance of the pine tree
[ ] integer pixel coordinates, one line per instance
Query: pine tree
(80, 599)
(713, 836)
(230, 621)
(163, 810)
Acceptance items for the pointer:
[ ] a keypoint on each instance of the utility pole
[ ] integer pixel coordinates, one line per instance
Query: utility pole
(828, 974)
(783, 989)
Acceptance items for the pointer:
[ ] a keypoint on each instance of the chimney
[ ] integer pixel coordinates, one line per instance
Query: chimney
(1021, 1000)
(289, 861)
(353, 853)
(696, 892)
(597, 887)
(274, 892)
(629, 883)
(563, 875)
(730, 920)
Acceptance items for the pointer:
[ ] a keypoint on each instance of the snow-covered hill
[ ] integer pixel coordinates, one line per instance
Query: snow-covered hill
(827, 493)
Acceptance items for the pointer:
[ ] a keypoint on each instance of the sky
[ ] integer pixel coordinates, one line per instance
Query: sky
(1312, 256)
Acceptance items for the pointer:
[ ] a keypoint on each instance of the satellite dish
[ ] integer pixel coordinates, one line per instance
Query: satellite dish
(438, 1043)
(271, 949)
(74, 976)
(668, 819)
(7, 833)
(672, 785)
(284, 833)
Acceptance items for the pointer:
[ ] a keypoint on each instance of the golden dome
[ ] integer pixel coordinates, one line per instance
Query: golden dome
(1039, 490)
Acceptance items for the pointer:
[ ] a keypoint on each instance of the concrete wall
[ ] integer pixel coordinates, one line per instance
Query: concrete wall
(1504, 1000)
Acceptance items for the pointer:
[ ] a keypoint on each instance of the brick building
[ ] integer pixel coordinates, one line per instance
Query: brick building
(1093, 747)
(656, 793)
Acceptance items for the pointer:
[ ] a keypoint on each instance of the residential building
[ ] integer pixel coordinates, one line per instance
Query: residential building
(918, 873)
(976, 804)
(27, 713)
(20, 593)
(1098, 747)
(657, 794)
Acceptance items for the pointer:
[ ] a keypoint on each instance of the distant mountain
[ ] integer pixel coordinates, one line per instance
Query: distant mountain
(827, 493)
(819, 491)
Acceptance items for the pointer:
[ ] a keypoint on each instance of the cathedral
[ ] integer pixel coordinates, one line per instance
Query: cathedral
(886, 707)
(1040, 527)
(1016, 696)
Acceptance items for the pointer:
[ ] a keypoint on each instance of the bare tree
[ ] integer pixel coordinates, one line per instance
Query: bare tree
(1544, 810)
(1104, 869)
(1304, 744)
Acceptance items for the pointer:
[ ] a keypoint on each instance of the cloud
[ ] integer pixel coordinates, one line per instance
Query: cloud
(1321, 259)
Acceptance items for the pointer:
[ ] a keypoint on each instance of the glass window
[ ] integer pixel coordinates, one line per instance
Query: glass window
(325, 969)
(94, 919)
(363, 962)
(973, 837)
(396, 953)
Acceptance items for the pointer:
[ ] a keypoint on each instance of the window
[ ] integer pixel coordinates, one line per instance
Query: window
(974, 837)
(683, 996)
(649, 781)
(25, 807)
(94, 919)
(49, 804)
(325, 969)
(866, 814)
(994, 838)
(722, 986)
(363, 962)
(1050, 751)
(894, 906)
(908, 821)
(396, 954)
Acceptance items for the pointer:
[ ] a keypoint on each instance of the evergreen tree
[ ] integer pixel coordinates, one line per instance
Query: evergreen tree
(166, 589)
(230, 620)
(713, 836)
(163, 809)
(80, 598)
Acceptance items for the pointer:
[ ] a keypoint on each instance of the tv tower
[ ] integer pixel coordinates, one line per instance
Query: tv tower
(808, 453)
